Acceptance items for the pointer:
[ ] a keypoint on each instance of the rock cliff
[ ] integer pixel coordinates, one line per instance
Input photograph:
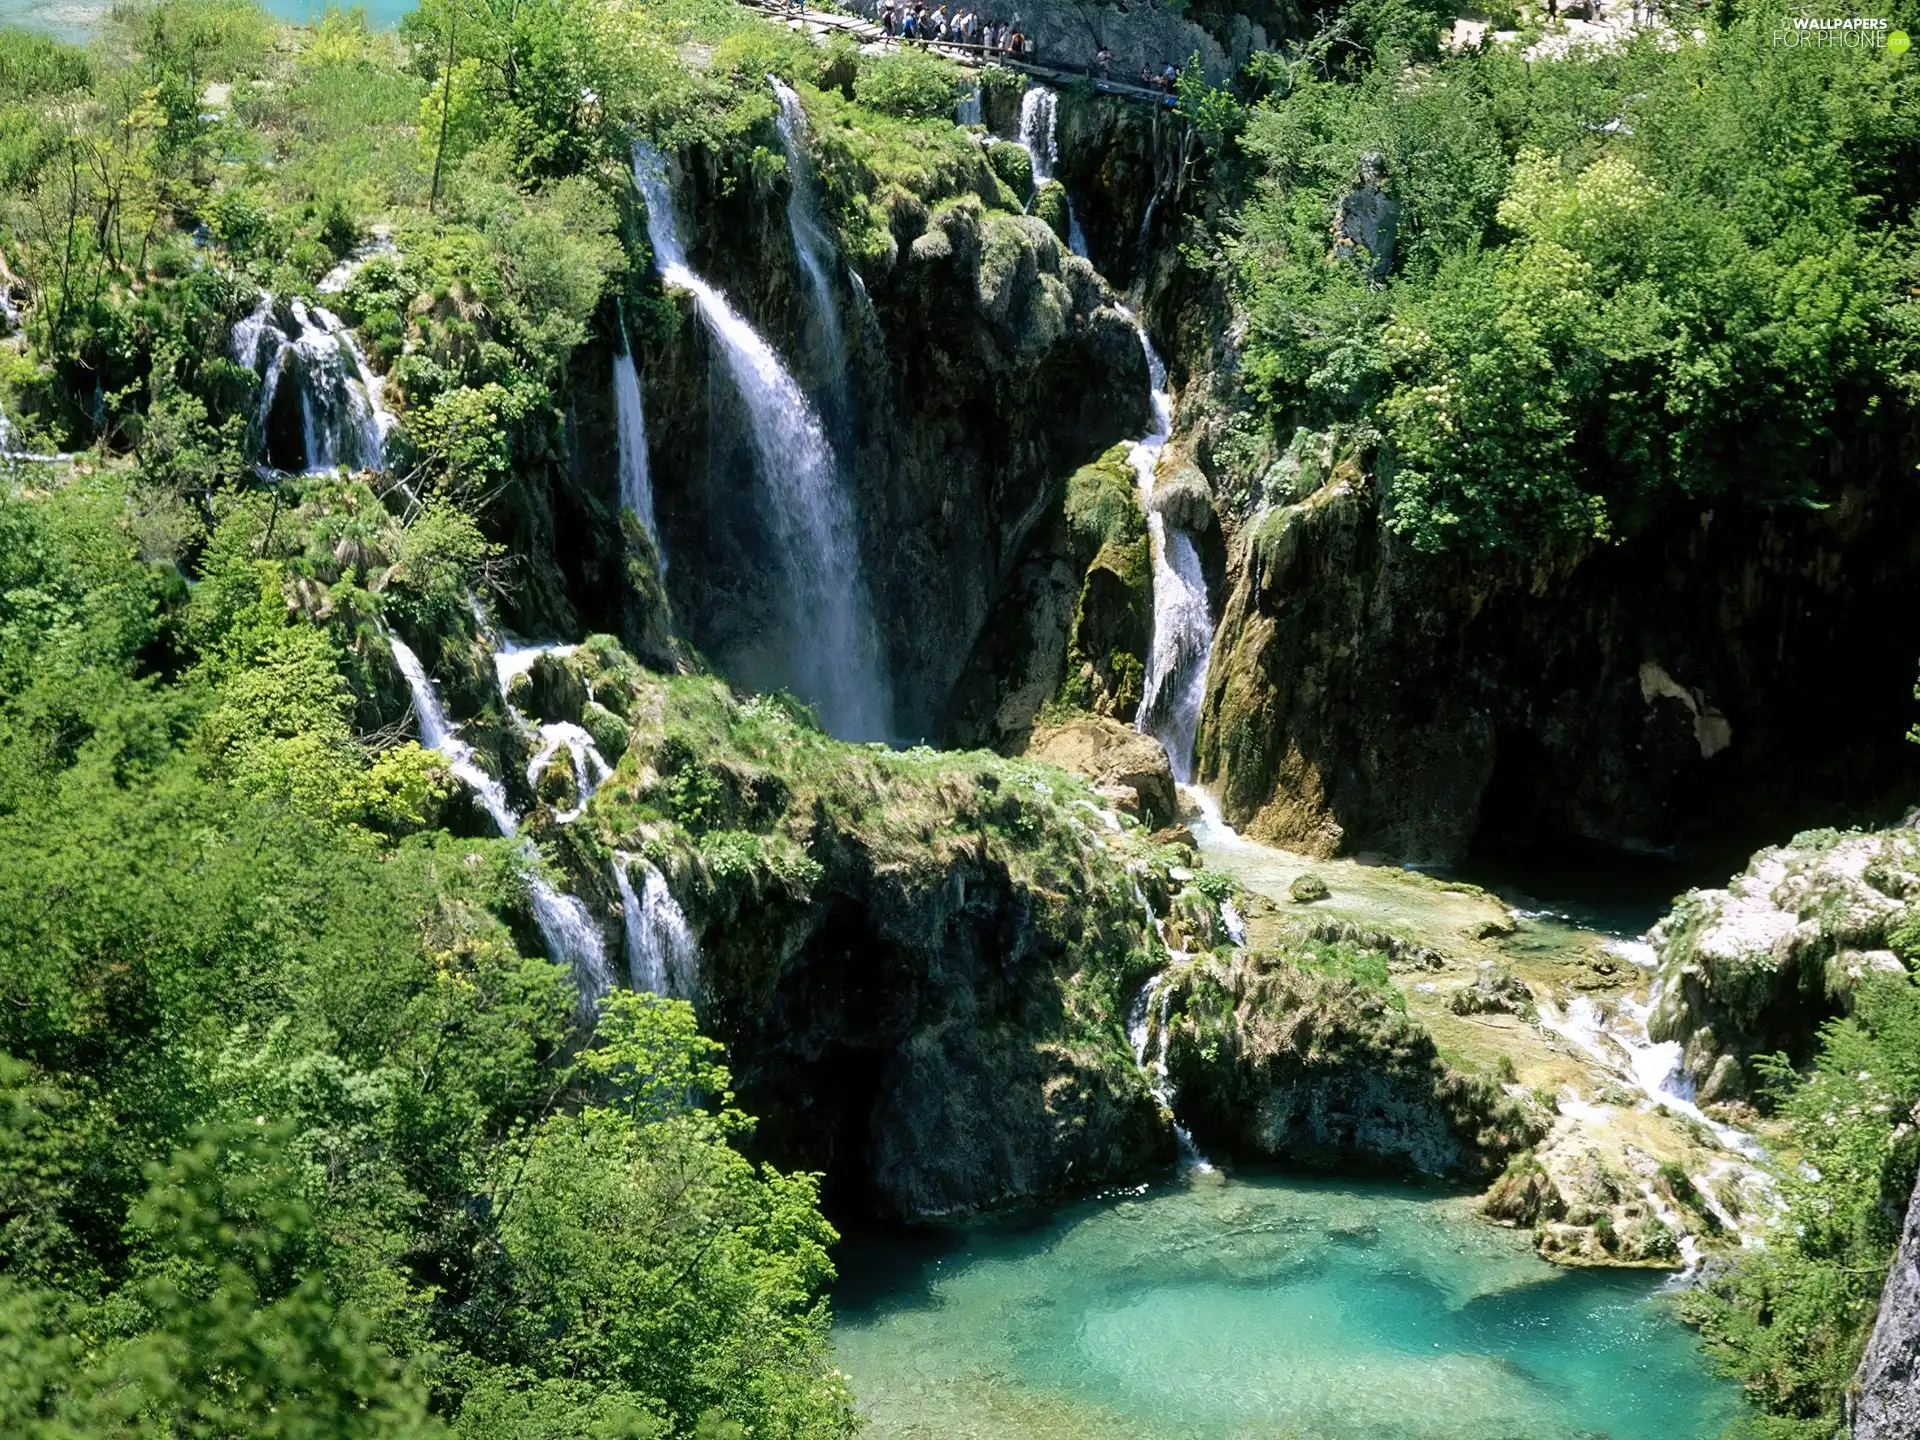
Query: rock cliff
(1884, 1400)
(1720, 672)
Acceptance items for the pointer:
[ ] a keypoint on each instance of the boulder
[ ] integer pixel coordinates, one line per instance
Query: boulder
(1111, 754)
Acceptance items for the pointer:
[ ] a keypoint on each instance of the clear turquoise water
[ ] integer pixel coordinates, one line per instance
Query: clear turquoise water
(77, 19)
(1229, 1310)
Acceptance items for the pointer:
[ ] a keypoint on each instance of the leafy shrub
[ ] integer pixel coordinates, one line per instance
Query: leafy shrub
(911, 84)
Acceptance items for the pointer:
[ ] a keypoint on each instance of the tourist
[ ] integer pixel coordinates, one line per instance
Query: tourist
(1101, 61)
(1169, 76)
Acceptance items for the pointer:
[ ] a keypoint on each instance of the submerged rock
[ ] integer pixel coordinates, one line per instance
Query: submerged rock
(1308, 888)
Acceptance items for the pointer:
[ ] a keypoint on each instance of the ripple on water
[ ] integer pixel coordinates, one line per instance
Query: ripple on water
(1268, 1307)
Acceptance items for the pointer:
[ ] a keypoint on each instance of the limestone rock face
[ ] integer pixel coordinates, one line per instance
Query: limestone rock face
(1883, 1402)
(1270, 1061)
(981, 368)
(1112, 754)
(1719, 672)
(1756, 967)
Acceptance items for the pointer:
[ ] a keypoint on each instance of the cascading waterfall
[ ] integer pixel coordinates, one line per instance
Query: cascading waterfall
(662, 954)
(1039, 111)
(342, 418)
(1147, 1028)
(571, 937)
(630, 419)
(835, 652)
(966, 110)
(1176, 680)
(811, 244)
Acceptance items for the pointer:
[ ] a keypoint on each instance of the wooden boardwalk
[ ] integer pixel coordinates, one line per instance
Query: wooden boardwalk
(821, 23)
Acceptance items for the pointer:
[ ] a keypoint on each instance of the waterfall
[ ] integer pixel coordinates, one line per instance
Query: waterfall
(966, 110)
(834, 653)
(636, 484)
(342, 418)
(662, 954)
(1039, 110)
(1147, 1027)
(811, 244)
(1176, 680)
(438, 732)
(571, 937)
(590, 768)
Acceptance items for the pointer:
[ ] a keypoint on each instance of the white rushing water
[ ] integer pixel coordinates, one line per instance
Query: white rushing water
(571, 937)
(966, 110)
(343, 420)
(819, 259)
(630, 419)
(834, 657)
(1039, 114)
(662, 954)
(1176, 680)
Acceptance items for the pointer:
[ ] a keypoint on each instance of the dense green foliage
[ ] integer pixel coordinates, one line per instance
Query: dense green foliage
(1791, 1319)
(1674, 268)
(298, 1137)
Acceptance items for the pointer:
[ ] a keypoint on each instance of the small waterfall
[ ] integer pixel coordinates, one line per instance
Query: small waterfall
(834, 651)
(1176, 680)
(590, 768)
(568, 930)
(1147, 1029)
(662, 954)
(636, 484)
(572, 939)
(966, 110)
(818, 256)
(438, 732)
(342, 418)
(1039, 110)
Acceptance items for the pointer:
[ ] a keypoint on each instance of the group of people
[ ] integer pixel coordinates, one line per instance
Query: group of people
(913, 20)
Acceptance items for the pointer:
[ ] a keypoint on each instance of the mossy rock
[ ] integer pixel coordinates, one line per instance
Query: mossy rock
(1051, 206)
(608, 730)
(555, 690)
(554, 786)
(1308, 888)
(1012, 164)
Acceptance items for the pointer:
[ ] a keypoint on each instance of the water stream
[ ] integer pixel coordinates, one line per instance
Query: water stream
(663, 955)
(630, 420)
(1176, 680)
(1039, 113)
(815, 250)
(1216, 1309)
(833, 658)
(572, 939)
(342, 418)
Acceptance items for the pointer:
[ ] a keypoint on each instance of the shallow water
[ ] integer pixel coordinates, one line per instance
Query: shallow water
(1222, 1309)
(77, 19)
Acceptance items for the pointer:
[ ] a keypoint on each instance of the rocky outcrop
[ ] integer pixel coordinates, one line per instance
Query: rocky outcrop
(1073, 624)
(1124, 765)
(1724, 672)
(916, 962)
(1883, 1402)
(1756, 967)
(1272, 1061)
